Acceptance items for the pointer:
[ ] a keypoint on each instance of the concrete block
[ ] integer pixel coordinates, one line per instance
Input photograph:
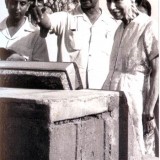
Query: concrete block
(40, 75)
(111, 120)
(90, 140)
(71, 125)
(62, 105)
(21, 137)
(62, 142)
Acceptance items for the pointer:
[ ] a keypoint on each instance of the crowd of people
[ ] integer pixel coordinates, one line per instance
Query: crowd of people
(110, 56)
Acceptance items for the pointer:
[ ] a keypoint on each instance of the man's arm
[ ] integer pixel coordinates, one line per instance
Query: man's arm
(11, 55)
(41, 18)
(40, 51)
(153, 93)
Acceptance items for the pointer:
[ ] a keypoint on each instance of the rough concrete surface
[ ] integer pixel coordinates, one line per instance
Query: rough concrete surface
(65, 125)
(40, 75)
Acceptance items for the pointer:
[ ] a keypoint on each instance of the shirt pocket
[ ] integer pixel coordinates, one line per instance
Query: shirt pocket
(75, 40)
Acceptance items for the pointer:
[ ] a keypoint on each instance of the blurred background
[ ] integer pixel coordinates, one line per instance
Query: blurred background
(154, 4)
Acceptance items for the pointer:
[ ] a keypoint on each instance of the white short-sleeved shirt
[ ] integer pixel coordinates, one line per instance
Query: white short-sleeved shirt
(26, 41)
(88, 45)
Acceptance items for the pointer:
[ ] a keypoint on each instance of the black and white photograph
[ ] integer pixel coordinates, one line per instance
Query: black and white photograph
(79, 80)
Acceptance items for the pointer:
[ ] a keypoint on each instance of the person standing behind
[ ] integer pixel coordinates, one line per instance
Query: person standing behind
(144, 6)
(85, 37)
(19, 39)
(134, 57)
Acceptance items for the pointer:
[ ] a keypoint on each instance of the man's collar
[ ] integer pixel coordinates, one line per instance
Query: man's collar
(27, 26)
(103, 17)
(78, 11)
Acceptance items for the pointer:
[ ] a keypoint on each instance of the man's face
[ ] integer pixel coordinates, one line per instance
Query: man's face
(87, 4)
(40, 3)
(119, 8)
(17, 8)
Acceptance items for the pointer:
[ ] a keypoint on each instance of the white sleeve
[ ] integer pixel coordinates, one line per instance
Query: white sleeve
(58, 22)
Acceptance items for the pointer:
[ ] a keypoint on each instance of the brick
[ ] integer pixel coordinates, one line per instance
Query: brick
(91, 140)
(62, 142)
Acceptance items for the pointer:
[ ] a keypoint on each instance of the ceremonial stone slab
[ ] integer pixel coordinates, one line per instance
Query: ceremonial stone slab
(40, 75)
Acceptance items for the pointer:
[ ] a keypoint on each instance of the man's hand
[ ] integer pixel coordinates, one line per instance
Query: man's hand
(149, 123)
(5, 53)
(16, 57)
(40, 17)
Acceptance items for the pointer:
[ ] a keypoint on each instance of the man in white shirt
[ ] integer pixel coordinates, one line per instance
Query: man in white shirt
(18, 37)
(85, 37)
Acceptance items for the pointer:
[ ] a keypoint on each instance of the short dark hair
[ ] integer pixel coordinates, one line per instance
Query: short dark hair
(146, 5)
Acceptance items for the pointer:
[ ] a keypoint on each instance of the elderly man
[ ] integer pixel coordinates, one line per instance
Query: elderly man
(85, 37)
(134, 64)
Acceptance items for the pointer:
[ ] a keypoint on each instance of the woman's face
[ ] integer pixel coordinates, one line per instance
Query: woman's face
(17, 8)
(119, 9)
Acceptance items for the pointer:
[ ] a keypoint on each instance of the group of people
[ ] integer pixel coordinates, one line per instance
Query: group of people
(109, 55)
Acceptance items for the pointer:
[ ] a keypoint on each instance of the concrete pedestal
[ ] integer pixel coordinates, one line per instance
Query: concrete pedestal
(40, 75)
(65, 125)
